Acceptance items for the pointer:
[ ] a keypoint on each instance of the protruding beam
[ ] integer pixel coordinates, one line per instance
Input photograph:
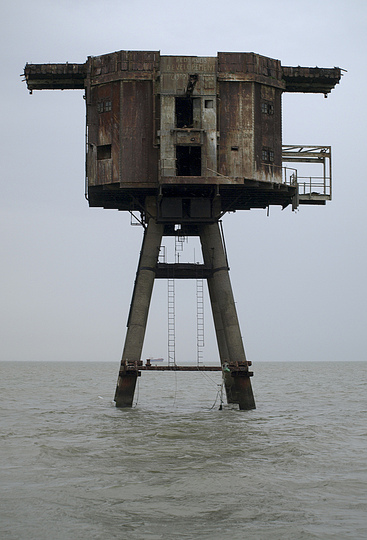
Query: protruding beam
(55, 76)
(310, 80)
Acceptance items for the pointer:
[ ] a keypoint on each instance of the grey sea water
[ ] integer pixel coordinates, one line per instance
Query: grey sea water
(173, 467)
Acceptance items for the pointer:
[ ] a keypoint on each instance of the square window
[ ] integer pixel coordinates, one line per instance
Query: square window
(209, 104)
(267, 155)
(104, 151)
(267, 108)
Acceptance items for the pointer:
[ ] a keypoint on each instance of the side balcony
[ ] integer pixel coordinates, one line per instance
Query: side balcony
(314, 183)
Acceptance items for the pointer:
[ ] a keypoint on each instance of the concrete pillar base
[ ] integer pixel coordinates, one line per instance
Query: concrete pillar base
(125, 389)
(239, 390)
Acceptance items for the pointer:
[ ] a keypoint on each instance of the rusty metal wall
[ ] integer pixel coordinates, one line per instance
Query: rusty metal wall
(230, 125)
(237, 137)
(250, 87)
(122, 112)
(267, 133)
(102, 122)
(138, 156)
(236, 127)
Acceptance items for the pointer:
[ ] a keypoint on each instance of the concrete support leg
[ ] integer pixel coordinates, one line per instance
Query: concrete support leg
(230, 345)
(126, 385)
(138, 315)
(221, 341)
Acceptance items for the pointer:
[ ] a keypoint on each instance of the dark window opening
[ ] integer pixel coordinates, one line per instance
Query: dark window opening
(184, 112)
(209, 104)
(234, 148)
(188, 160)
(104, 151)
(267, 155)
(267, 108)
(104, 106)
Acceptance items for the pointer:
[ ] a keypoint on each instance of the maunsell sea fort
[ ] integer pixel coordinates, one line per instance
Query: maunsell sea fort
(179, 141)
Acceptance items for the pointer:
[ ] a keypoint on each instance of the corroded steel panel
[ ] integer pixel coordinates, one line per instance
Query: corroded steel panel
(250, 67)
(267, 134)
(123, 65)
(138, 157)
(103, 112)
(121, 116)
(230, 62)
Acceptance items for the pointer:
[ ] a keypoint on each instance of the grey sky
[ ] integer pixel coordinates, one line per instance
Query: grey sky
(67, 271)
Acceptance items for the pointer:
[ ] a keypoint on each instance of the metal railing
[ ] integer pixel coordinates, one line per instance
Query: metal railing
(314, 185)
(289, 176)
(310, 186)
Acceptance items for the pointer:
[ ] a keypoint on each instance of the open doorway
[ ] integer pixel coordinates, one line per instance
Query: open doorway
(188, 161)
(184, 112)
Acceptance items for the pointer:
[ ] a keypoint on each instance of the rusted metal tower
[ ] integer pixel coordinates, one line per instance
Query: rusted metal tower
(183, 140)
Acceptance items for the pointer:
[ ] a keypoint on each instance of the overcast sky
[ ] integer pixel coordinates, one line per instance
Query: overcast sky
(67, 271)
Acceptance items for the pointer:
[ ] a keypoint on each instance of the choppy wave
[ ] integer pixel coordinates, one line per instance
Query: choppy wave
(174, 466)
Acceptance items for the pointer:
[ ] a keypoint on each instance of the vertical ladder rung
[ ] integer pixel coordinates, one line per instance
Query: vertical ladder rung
(199, 320)
(171, 323)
